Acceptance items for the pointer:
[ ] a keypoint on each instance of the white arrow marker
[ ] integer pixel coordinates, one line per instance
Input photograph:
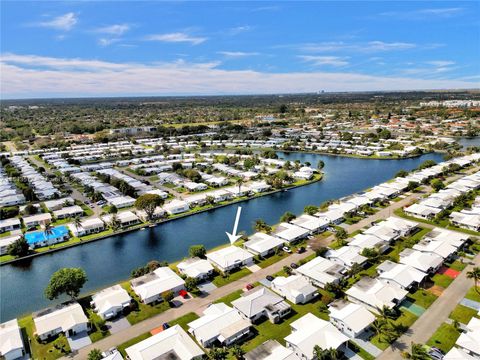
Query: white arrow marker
(233, 236)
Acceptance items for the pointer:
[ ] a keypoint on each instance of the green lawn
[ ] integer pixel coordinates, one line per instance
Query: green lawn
(462, 314)
(142, 311)
(220, 280)
(184, 320)
(6, 258)
(48, 351)
(444, 338)
(272, 259)
(359, 351)
(473, 293)
(422, 298)
(442, 280)
(229, 298)
(457, 265)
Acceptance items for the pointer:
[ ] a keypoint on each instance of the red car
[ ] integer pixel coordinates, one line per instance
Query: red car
(249, 287)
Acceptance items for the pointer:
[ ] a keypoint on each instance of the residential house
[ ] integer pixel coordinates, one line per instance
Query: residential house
(172, 343)
(294, 288)
(346, 256)
(310, 331)
(350, 318)
(312, 223)
(68, 319)
(196, 268)
(176, 207)
(374, 294)
(260, 302)
(110, 302)
(87, 226)
(150, 287)
(320, 271)
(38, 219)
(404, 276)
(263, 244)
(11, 342)
(289, 232)
(468, 340)
(230, 258)
(219, 324)
(271, 350)
(9, 225)
(428, 262)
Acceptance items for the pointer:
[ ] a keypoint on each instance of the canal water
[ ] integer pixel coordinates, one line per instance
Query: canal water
(466, 142)
(111, 260)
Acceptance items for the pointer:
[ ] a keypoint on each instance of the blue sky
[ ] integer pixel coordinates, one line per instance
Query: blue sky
(88, 48)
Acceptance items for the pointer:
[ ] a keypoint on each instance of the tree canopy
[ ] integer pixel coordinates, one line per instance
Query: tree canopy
(67, 281)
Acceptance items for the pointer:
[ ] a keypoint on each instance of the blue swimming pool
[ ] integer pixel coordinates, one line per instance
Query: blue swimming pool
(55, 233)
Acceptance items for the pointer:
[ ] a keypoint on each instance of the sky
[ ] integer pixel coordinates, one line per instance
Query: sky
(154, 48)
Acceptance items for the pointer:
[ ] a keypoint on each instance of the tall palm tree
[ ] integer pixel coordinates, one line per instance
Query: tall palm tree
(418, 352)
(77, 221)
(385, 313)
(238, 352)
(239, 182)
(325, 354)
(378, 327)
(475, 275)
(48, 229)
(114, 222)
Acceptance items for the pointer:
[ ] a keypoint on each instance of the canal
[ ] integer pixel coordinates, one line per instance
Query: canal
(111, 260)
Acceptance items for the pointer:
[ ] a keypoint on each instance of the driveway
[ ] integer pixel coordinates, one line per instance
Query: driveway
(79, 341)
(206, 287)
(118, 324)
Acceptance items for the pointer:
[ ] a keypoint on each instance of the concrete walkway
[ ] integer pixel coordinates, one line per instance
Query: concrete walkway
(422, 330)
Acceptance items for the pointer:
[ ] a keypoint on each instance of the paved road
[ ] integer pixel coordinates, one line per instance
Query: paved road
(422, 330)
(198, 304)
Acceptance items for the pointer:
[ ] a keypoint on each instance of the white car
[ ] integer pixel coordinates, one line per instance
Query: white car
(287, 249)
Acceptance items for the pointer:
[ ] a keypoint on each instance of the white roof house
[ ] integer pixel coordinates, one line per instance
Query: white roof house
(467, 220)
(11, 343)
(385, 233)
(271, 350)
(427, 262)
(69, 319)
(37, 219)
(151, 286)
(402, 226)
(5, 242)
(69, 211)
(311, 223)
(259, 302)
(350, 318)
(346, 256)
(309, 331)
(262, 244)
(9, 224)
(196, 268)
(468, 340)
(439, 247)
(87, 226)
(111, 301)
(401, 275)
(290, 232)
(374, 294)
(125, 218)
(332, 215)
(321, 271)
(176, 207)
(422, 211)
(230, 258)
(219, 322)
(451, 237)
(368, 241)
(294, 288)
(172, 343)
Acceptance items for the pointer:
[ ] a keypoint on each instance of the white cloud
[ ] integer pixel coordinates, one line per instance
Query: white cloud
(37, 76)
(116, 29)
(176, 37)
(440, 63)
(63, 22)
(421, 14)
(324, 60)
(371, 46)
(237, 54)
(239, 29)
(108, 41)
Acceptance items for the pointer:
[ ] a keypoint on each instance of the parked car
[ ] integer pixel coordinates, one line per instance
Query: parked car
(249, 286)
(287, 249)
(301, 250)
(293, 266)
(165, 326)
(269, 277)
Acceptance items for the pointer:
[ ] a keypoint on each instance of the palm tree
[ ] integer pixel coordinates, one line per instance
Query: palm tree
(475, 275)
(48, 229)
(239, 182)
(77, 221)
(238, 352)
(418, 352)
(378, 327)
(325, 354)
(114, 222)
(385, 313)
